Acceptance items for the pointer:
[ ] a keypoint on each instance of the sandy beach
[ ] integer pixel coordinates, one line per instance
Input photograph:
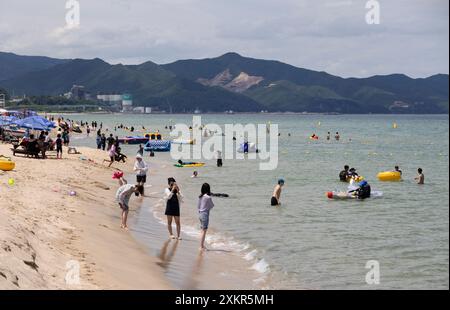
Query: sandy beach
(44, 230)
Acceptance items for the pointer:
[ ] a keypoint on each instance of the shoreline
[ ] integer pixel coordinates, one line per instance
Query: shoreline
(46, 234)
(43, 227)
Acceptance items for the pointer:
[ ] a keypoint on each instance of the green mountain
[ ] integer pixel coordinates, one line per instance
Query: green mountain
(12, 65)
(150, 84)
(228, 82)
(282, 87)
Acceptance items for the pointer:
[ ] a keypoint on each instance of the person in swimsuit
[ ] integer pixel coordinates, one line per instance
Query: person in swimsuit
(275, 201)
(173, 198)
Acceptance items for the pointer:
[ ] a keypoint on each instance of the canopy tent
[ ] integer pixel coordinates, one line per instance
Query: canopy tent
(35, 123)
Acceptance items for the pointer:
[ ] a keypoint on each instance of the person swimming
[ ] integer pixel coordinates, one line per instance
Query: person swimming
(397, 169)
(275, 200)
(421, 177)
(343, 175)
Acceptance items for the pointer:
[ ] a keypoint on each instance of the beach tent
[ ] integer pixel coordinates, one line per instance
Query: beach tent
(35, 123)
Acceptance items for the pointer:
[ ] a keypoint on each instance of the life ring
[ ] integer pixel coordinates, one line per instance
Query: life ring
(389, 176)
(6, 164)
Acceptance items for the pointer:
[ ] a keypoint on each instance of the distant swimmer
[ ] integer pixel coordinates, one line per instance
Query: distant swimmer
(343, 175)
(328, 136)
(219, 158)
(194, 175)
(275, 201)
(421, 177)
(397, 169)
(337, 136)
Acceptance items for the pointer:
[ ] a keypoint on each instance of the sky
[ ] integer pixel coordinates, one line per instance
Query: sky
(412, 36)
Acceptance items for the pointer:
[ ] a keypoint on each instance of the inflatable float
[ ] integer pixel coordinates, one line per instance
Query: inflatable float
(347, 195)
(157, 146)
(189, 165)
(6, 164)
(181, 141)
(389, 176)
(133, 140)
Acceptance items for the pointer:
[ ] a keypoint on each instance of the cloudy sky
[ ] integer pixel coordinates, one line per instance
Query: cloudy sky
(325, 35)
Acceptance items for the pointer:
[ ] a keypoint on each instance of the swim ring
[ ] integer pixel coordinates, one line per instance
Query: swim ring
(6, 164)
(387, 176)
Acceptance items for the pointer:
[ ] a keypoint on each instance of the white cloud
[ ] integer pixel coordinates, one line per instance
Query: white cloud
(321, 35)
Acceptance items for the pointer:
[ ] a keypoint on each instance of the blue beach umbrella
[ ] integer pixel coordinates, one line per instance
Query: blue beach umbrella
(7, 120)
(34, 123)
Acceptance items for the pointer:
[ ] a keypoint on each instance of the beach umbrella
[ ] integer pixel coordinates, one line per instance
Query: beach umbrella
(34, 123)
(7, 120)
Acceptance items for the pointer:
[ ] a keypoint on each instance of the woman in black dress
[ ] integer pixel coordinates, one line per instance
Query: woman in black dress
(173, 199)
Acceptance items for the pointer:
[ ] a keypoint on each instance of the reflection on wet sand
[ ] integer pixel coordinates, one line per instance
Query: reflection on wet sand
(192, 281)
(166, 256)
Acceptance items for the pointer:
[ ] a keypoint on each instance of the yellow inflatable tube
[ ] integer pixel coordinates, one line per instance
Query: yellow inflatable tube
(389, 176)
(6, 164)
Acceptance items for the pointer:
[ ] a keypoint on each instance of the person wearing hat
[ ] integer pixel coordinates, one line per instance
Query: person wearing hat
(141, 168)
(275, 200)
(363, 190)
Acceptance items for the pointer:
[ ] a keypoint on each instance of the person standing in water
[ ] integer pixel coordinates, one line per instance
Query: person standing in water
(205, 204)
(328, 136)
(173, 198)
(141, 168)
(141, 150)
(337, 136)
(219, 158)
(275, 201)
(420, 177)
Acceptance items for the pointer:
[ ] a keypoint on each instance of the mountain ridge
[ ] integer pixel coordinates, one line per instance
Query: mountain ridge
(238, 83)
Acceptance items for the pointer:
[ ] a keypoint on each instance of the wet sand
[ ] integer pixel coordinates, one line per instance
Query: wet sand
(185, 266)
(45, 233)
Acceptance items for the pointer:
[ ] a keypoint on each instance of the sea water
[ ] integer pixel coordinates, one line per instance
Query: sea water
(310, 242)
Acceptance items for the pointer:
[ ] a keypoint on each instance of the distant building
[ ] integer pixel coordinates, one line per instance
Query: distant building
(127, 103)
(2, 101)
(139, 110)
(77, 92)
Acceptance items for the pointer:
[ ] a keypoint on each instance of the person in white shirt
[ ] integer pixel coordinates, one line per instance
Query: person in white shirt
(205, 204)
(173, 198)
(141, 169)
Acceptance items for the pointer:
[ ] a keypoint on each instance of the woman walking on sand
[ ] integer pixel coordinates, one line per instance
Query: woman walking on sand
(205, 204)
(173, 199)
